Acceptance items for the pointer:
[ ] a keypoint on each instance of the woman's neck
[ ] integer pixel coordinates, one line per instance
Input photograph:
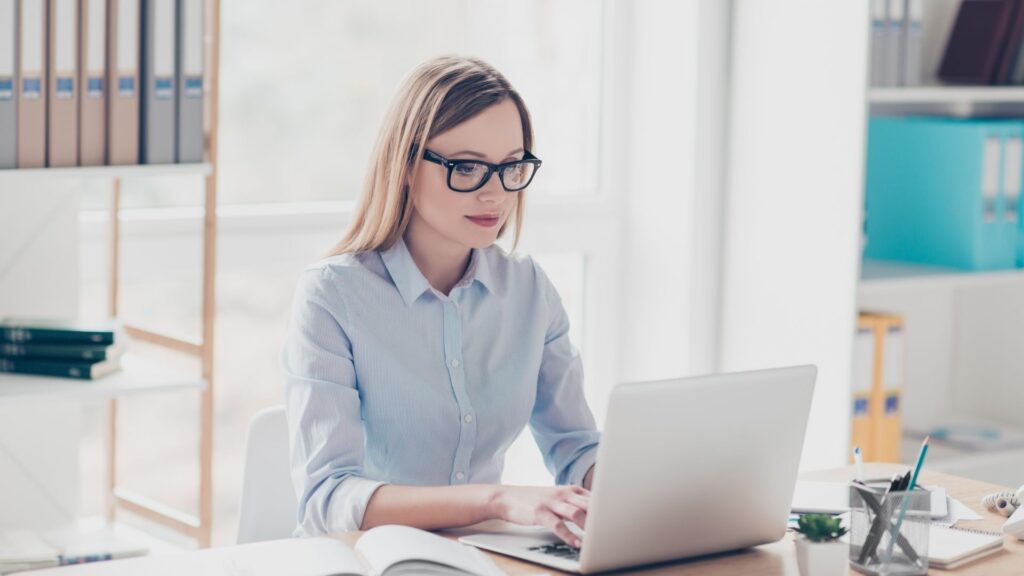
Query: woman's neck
(441, 261)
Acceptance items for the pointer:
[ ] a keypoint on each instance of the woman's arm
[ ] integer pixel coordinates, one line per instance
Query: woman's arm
(323, 408)
(432, 508)
(561, 421)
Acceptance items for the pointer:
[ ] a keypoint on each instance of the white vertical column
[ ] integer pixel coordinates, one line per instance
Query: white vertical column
(793, 210)
(658, 194)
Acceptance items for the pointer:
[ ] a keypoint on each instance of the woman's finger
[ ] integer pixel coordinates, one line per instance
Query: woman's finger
(582, 502)
(549, 520)
(570, 512)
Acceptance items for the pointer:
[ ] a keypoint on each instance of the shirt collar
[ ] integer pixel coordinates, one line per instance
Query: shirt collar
(412, 284)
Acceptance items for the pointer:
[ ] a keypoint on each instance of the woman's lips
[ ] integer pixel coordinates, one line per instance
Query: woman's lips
(485, 221)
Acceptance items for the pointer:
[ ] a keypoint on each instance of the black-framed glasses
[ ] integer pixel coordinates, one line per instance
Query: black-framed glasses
(470, 175)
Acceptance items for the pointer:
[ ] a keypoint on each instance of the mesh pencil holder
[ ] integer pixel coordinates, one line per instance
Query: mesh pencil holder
(889, 531)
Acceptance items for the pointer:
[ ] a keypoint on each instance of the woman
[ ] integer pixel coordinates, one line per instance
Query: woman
(419, 350)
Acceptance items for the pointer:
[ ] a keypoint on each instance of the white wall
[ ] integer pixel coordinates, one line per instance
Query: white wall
(658, 194)
(793, 207)
(38, 277)
(674, 151)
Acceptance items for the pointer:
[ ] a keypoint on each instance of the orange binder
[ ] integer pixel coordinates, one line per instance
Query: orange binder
(862, 432)
(62, 124)
(31, 83)
(889, 427)
(123, 36)
(883, 428)
(92, 109)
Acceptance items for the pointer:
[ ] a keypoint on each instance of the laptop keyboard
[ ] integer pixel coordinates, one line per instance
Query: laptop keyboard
(561, 549)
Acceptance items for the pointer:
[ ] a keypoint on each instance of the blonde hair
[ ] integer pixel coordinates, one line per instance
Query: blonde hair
(439, 95)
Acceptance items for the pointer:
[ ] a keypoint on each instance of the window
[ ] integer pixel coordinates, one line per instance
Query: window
(308, 99)
(302, 89)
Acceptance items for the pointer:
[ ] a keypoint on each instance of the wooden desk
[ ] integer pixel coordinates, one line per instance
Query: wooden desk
(779, 558)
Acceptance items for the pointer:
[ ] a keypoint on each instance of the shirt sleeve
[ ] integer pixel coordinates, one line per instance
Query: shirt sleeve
(323, 408)
(561, 422)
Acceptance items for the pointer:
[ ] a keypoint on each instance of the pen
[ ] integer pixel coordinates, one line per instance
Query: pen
(906, 497)
(859, 461)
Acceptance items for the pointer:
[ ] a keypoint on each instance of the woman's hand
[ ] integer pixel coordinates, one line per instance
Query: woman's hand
(542, 506)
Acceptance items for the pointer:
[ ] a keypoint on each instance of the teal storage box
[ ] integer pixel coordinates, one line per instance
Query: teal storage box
(944, 192)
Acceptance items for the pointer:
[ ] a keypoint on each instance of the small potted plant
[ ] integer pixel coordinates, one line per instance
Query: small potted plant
(819, 552)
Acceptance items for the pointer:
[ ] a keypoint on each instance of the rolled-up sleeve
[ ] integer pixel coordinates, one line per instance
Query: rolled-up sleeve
(323, 408)
(561, 422)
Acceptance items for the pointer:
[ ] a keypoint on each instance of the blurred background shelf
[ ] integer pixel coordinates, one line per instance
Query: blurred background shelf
(959, 101)
(885, 276)
(1003, 466)
(139, 374)
(107, 172)
(946, 95)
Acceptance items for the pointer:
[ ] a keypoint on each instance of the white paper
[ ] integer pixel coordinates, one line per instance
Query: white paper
(990, 177)
(94, 57)
(957, 511)
(894, 355)
(990, 168)
(1012, 177)
(193, 37)
(127, 37)
(163, 38)
(32, 37)
(7, 28)
(863, 360)
(65, 37)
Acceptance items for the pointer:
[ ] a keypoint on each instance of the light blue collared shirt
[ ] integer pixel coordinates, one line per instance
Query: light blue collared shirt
(390, 381)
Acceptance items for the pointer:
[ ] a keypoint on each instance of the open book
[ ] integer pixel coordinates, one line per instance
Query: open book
(382, 551)
(399, 550)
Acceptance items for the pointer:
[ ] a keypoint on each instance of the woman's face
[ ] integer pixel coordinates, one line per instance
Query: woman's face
(469, 219)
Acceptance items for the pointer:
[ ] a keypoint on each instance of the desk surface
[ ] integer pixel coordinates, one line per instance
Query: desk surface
(779, 558)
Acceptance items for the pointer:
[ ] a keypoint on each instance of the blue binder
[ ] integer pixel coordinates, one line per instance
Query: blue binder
(935, 192)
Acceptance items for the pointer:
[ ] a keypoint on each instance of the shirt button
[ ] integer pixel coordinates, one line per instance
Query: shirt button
(468, 418)
(460, 476)
(455, 363)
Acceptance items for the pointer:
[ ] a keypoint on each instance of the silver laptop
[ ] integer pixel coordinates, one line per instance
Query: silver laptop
(686, 467)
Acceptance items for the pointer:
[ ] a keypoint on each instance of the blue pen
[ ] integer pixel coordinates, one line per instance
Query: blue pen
(906, 497)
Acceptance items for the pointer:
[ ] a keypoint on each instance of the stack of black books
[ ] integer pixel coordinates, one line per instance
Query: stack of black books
(67, 349)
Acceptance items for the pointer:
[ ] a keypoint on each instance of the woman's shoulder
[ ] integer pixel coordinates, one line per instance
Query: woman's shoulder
(340, 269)
(513, 267)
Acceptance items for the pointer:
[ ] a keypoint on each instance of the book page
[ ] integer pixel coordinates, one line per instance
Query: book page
(387, 546)
(948, 545)
(291, 556)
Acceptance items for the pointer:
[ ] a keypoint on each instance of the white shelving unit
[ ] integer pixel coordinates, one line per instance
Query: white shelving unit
(881, 277)
(19, 176)
(139, 374)
(960, 325)
(940, 94)
(182, 364)
(938, 100)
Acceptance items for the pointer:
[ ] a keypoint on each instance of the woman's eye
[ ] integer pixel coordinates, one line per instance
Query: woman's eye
(467, 169)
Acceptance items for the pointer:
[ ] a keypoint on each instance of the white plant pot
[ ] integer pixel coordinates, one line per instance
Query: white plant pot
(822, 558)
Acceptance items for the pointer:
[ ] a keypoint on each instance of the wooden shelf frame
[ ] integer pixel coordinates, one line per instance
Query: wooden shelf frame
(197, 526)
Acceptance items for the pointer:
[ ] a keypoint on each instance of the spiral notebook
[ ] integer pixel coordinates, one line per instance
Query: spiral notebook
(950, 548)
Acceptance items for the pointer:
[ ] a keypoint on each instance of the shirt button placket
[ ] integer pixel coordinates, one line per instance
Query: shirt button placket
(456, 373)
